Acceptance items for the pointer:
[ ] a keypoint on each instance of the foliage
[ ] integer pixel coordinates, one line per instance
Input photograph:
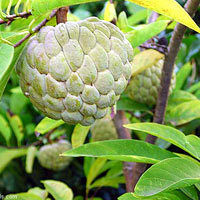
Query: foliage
(174, 170)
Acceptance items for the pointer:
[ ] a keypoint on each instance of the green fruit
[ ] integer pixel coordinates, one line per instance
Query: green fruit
(77, 70)
(144, 86)
(104, 129)
(49, 155)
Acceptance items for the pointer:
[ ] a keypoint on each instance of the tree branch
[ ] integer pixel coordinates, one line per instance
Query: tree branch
(11, 18)
(123, 133)
(161, 48)
(37, 28)
(159, 115)
(191, 7)
(61, 15)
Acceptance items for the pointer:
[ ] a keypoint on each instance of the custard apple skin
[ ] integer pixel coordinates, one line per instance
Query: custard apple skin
(48, 155)
(103, 129)
(144, 87)
(77, 70)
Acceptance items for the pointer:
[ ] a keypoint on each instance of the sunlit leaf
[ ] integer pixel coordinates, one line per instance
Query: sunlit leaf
(184, 112)
(171, 9)
(6, 155)
(79, 134)
(190, 144)
(58, 190)
(122, 150)
(175, 195)
(40, 7)
(182, 75)
(23, 196)
(31, 153)
(169, 174)
(17, 126)
(48, 124)
(6, 56)
(39, 192)
(5, 129)
(110, 12)
(145, 32)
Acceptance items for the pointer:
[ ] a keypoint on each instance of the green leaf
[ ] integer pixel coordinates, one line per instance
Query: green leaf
(6, 56)
(122, 150)
(169, 174)
(128, 104)
(58, 190)
(14, 37)
(178, 97)
(17, 126)
(31, 153)
(137, 17)
(40, 7)
(122, 21)
(79, 198)
(9, 57)
(113, 167)
(79, 134)
(182, 75)
(39, 192)
(172, 135)
(110, 12)
(184, 113)
(108, 182)
(194, 87)
(94, 171)
(48, 124)
(171, 195)
(6, 155)
(197, 185)
(191, 192)
(5, 130)
(15, 106)
(145, 32)
(171, 9)
(23, 196)
(144, 60)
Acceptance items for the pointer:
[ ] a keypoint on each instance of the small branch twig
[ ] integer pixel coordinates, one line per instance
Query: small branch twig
(150, 44)
(123, 133)
(161, 48)
(37, 28)
(175, 42)
(11, 18)
(153, 17)
(37, 143)
(61, 15)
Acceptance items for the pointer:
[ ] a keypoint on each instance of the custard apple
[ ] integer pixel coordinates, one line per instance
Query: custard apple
(144, 86)
(104, 129)
(77, 70)
(48, 155)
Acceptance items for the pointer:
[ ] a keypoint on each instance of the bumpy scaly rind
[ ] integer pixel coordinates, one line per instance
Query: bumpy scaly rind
(49, 158)
(76, 70)
(144, 87)
(104, 129)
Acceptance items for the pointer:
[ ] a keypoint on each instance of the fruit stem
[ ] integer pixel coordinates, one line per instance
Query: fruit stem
(61, 15)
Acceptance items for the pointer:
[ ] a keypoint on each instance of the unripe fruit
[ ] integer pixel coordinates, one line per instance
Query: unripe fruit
(104, 129)
(48, 155)
(144, 86)
(77, 70)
